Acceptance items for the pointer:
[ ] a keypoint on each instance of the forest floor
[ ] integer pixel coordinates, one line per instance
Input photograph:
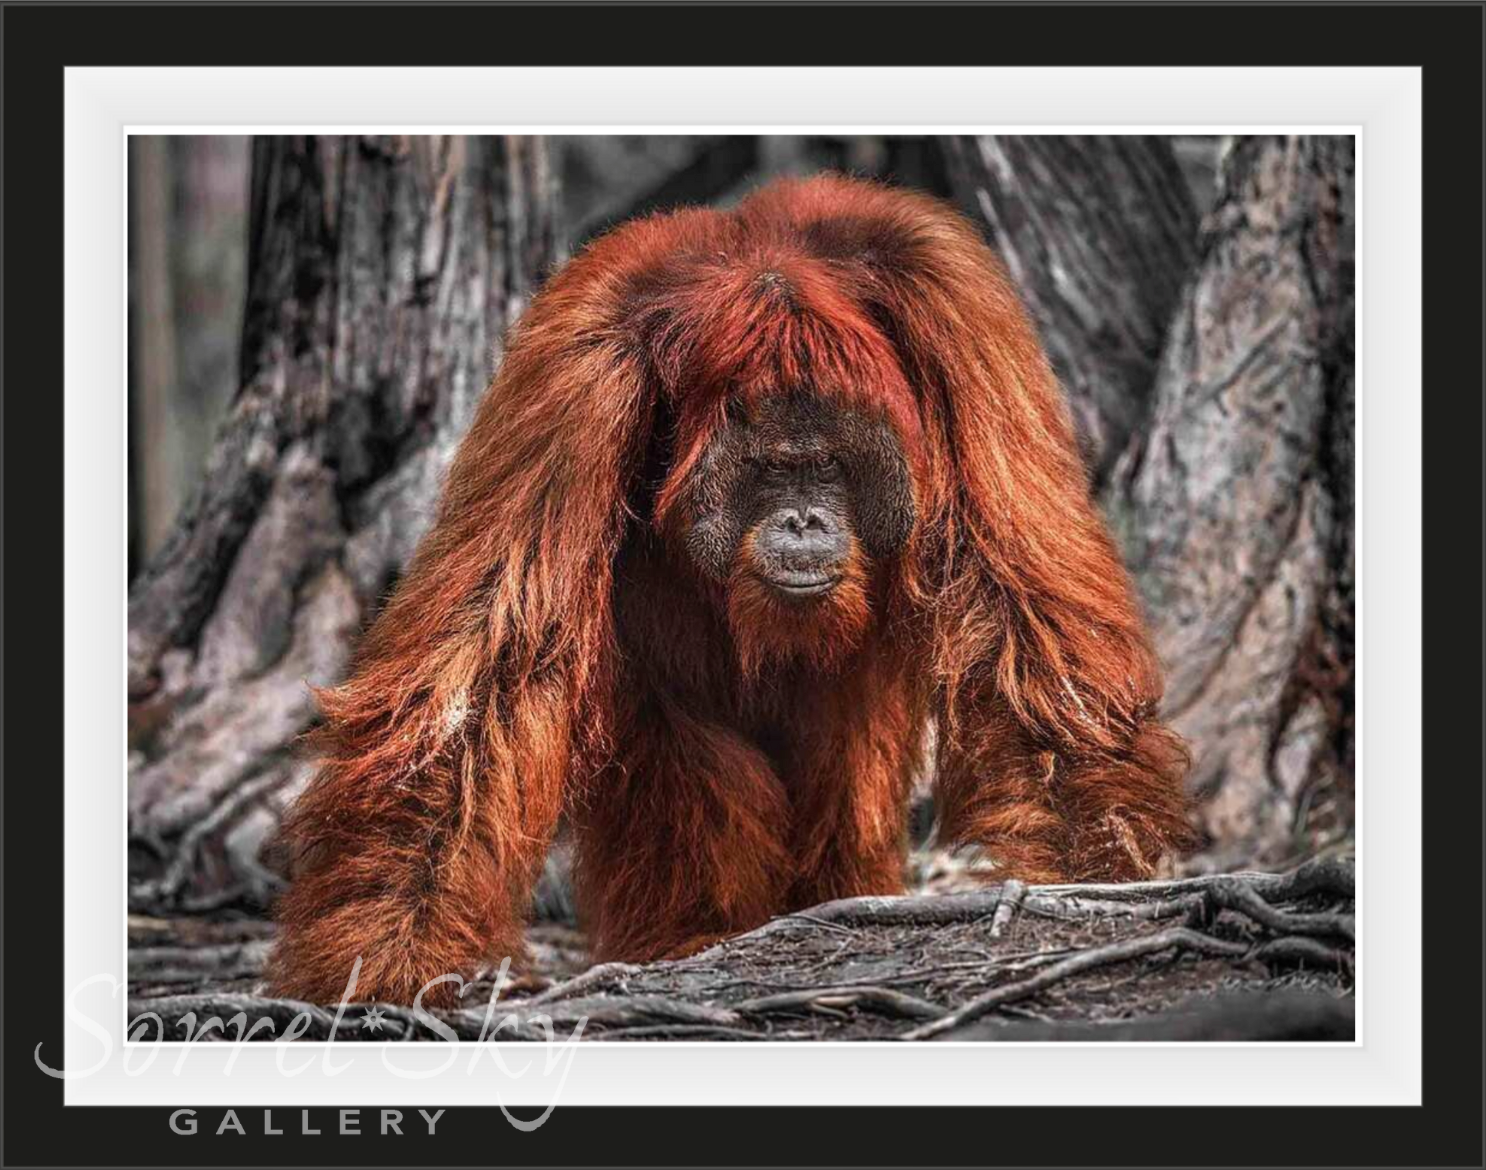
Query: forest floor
(1224, 957)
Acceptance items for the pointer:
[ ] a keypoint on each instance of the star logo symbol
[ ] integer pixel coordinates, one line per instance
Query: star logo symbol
(373, 1019)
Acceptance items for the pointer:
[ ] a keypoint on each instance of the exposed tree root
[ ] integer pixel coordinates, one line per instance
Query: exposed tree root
(1152, 959)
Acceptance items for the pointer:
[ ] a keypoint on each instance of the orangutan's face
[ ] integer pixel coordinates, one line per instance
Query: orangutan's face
(792, 507)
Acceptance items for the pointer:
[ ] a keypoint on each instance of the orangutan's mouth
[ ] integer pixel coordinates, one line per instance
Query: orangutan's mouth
(803, 584)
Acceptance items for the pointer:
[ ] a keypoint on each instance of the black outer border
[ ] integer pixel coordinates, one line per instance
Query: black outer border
(1445, 40)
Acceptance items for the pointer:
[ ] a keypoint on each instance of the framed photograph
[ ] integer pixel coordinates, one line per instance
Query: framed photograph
(806, 599)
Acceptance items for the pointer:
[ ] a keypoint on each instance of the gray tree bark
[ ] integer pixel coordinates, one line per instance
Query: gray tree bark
(1099, 234)
(608, 179)
(382, 274)
(1236, 503)
(158, 480)
(209, 279)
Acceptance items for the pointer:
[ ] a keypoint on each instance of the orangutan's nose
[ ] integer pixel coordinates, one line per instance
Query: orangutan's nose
(803, 549)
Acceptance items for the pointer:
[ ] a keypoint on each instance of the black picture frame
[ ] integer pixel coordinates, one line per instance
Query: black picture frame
(1446, 41)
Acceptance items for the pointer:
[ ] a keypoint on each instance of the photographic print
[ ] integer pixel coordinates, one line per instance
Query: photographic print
(881, 588)
(742, 588)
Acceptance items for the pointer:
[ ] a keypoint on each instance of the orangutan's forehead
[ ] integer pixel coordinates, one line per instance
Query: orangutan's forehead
(803, 422)
(794, 411)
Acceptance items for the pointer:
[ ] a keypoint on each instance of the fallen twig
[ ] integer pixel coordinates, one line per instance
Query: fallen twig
(1013, 893)
(593, 977)
(883, 999)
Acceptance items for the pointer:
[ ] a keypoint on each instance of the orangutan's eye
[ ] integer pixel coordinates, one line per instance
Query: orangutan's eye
(827, 468)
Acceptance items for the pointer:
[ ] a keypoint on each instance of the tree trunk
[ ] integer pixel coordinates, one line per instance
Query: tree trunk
(1099, 234)
(382, 273)
(1237, 504)
(153, 374)
(208, 279)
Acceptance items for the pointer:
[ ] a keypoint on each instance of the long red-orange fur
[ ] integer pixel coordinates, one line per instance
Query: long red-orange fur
(549, 651)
